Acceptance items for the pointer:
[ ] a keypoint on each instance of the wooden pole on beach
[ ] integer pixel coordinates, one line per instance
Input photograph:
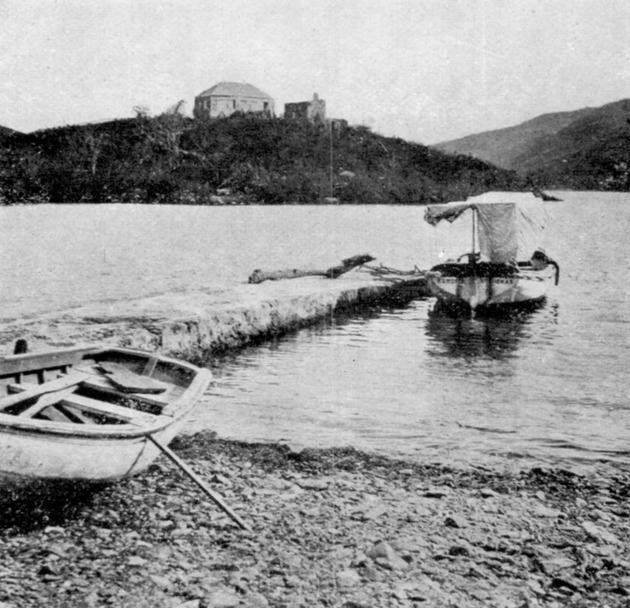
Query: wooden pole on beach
(188, 471)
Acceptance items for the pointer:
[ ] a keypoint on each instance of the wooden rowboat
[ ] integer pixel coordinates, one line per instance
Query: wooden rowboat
(91, 414)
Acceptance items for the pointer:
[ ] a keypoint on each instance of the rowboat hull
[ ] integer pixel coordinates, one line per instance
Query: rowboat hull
(33, 456)
(484, 292)
(95, 446)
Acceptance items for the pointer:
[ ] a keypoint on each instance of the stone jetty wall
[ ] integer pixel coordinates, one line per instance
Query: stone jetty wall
(204, 322)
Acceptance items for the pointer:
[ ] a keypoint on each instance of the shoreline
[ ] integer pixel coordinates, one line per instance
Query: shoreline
(333, 527)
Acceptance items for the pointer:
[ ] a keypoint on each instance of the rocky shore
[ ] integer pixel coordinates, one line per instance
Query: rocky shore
(335, 528)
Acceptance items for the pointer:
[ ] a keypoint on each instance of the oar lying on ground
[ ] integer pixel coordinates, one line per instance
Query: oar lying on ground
(192, 475)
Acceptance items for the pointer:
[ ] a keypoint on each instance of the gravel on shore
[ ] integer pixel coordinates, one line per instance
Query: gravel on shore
(330, 528)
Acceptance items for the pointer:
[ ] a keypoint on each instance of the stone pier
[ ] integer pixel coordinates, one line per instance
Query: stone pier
(200, 323)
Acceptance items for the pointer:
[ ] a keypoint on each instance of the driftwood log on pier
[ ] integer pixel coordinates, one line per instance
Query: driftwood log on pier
(198, 323)
(258, 276)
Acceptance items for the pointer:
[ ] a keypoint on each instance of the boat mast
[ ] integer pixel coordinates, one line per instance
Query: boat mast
(474, 230)
(332, 189)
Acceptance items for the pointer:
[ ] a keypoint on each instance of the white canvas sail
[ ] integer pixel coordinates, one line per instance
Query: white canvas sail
(510, 225)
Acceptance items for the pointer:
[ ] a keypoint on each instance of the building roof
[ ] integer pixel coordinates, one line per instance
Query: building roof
(234, 89)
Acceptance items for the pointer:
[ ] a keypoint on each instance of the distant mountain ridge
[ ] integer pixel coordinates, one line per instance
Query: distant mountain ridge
(581, 149)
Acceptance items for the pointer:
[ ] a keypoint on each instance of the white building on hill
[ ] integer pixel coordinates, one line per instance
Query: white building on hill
(225, 98)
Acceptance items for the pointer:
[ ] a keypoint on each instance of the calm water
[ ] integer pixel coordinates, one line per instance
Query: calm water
(544, 388)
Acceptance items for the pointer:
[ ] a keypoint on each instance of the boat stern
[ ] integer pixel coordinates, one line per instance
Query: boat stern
(459, 286)
(469, 290)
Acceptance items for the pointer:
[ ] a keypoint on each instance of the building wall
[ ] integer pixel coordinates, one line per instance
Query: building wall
(339, 125)
(296, 111)
(222, 106)
(313, 111)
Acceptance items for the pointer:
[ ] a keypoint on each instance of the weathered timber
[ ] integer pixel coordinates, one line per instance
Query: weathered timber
(128, 382)
(71, 380)
(258, 276)
(192, 475)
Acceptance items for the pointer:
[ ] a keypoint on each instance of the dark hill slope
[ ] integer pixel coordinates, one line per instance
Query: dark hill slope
(178, 160)
(586, 149)
(503, 146)
(5, 132)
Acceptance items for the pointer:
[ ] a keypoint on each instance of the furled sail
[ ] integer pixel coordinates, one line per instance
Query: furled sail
(510, 225)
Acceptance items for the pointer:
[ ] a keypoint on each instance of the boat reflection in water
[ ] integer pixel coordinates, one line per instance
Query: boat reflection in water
(496, 336)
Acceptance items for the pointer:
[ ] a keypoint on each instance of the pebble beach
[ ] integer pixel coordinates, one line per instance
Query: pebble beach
(328, 528)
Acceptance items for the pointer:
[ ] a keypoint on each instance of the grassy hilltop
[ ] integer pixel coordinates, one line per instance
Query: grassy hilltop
(241, 159)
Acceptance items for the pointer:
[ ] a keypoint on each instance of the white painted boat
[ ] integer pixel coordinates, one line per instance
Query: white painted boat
(90, 414)
(507, 265)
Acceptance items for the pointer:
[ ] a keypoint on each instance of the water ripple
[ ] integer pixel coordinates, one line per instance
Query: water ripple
(543, 387)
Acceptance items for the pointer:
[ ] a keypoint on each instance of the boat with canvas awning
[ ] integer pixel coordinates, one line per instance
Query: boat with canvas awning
(507, 264)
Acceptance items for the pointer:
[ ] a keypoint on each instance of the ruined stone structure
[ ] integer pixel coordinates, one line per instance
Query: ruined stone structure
(313, 111)
(338, 125)
(226, 98)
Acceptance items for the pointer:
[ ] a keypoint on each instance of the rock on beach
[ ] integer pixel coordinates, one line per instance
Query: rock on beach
(336, 528)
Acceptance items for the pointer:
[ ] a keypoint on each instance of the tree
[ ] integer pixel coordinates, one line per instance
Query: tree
(164, 132)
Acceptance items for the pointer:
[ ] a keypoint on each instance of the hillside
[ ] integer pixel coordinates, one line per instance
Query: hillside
(502, 147)
(5, 132)
(585, 149)
(241, 159)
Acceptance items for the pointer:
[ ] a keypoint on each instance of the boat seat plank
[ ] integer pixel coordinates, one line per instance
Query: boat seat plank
(94, 406)
(37, 390)
(46, 401)
(30, 362)
(78, 414)
(96, 381)
(130, 382)
(77, 405)
(56, 415)
(103, 385)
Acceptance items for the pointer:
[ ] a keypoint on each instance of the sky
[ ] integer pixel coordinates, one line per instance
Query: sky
(423, 70)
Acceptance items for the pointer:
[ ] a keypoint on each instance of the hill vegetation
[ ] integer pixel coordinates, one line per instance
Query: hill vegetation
(588, 149)
(5, 132)
(241, 159)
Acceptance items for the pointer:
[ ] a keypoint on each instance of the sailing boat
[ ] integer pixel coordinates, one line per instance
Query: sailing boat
(507, 265)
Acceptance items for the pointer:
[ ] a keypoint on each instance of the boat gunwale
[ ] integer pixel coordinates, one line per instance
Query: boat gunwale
(180, 406)
(521, 272)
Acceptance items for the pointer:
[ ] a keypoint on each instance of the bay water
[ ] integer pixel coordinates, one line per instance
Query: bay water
(541, 388)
